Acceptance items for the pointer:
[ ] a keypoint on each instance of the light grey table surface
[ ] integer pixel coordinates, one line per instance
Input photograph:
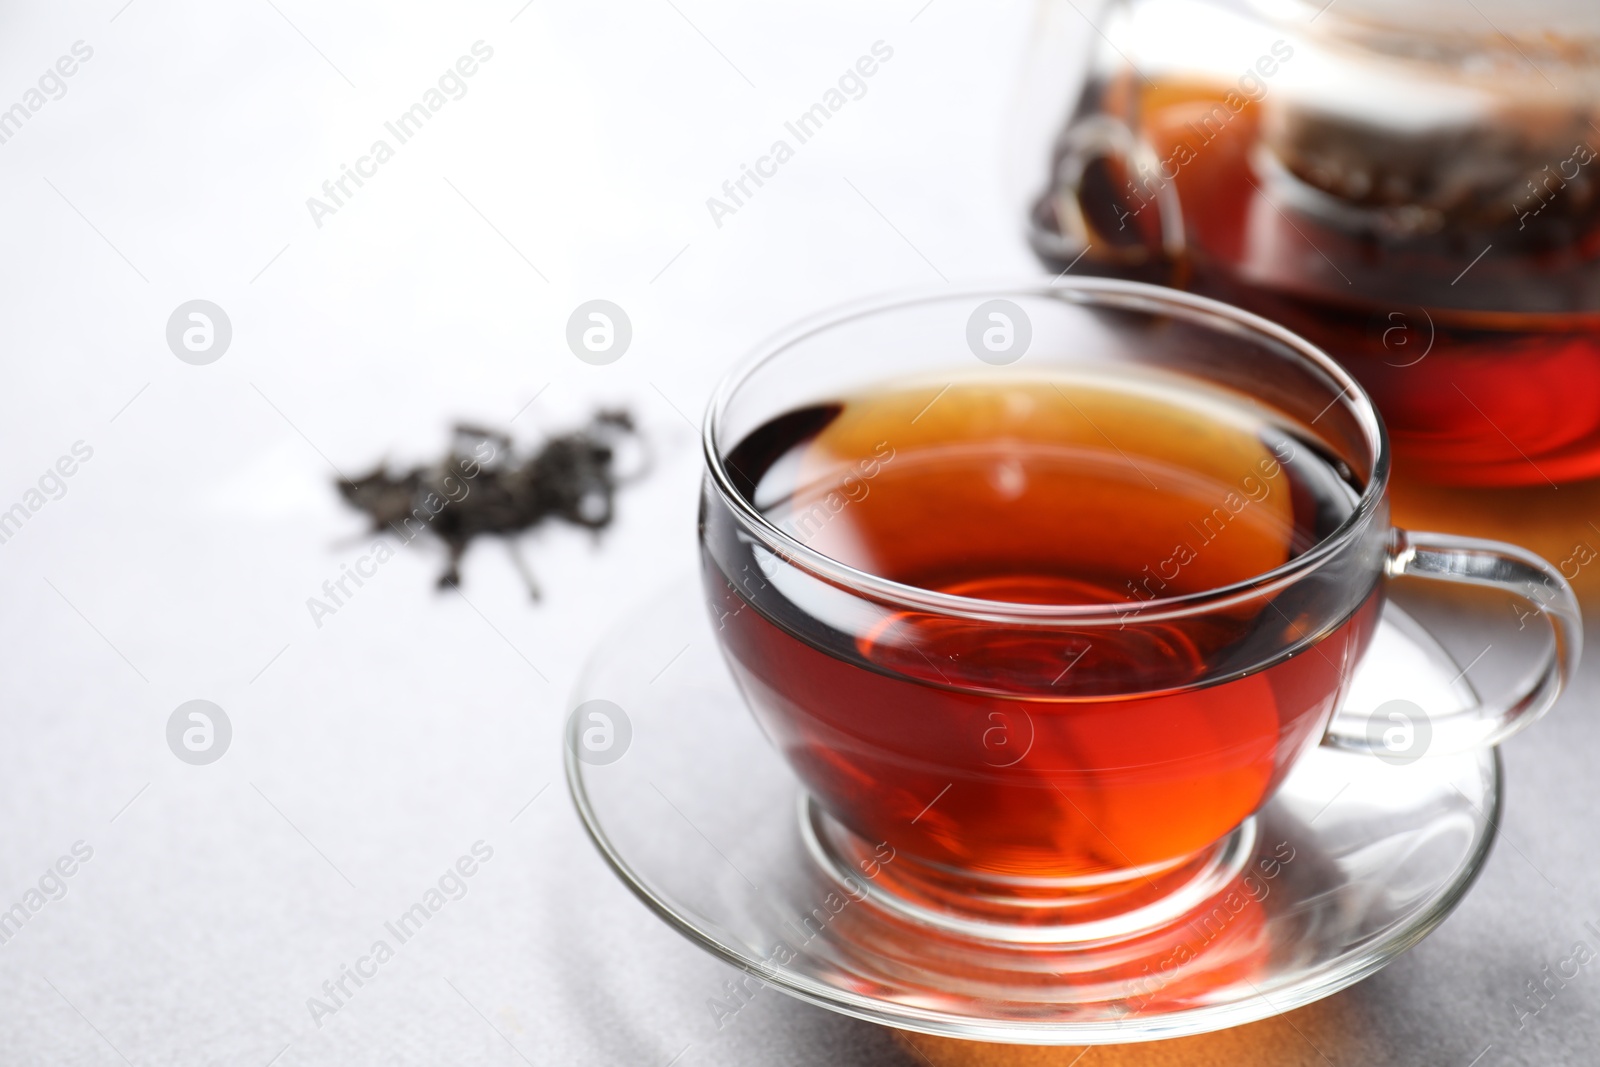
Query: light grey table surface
(374, 746)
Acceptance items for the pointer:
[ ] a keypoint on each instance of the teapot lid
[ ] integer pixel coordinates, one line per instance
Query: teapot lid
(1560, 31)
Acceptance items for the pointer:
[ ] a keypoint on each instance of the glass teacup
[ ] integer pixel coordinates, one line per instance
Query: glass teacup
(1042, 591)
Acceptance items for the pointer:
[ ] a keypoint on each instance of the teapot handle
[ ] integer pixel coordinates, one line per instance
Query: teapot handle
(1083, 143)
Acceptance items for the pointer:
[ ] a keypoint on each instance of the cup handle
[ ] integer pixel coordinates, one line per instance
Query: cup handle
(1493, 565)
(1084, 143)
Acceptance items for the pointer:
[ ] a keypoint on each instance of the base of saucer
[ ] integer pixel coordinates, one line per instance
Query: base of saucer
(1353, 861)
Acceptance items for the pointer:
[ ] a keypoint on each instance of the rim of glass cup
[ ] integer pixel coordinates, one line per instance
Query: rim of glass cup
(1103, 292)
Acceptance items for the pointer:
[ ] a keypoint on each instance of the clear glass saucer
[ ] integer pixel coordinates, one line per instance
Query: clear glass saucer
(1353, 862)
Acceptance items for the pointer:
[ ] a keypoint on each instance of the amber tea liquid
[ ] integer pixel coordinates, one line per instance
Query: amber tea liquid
(1017, 750)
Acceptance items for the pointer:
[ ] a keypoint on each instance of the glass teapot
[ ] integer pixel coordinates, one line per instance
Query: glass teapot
(1414, 186)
